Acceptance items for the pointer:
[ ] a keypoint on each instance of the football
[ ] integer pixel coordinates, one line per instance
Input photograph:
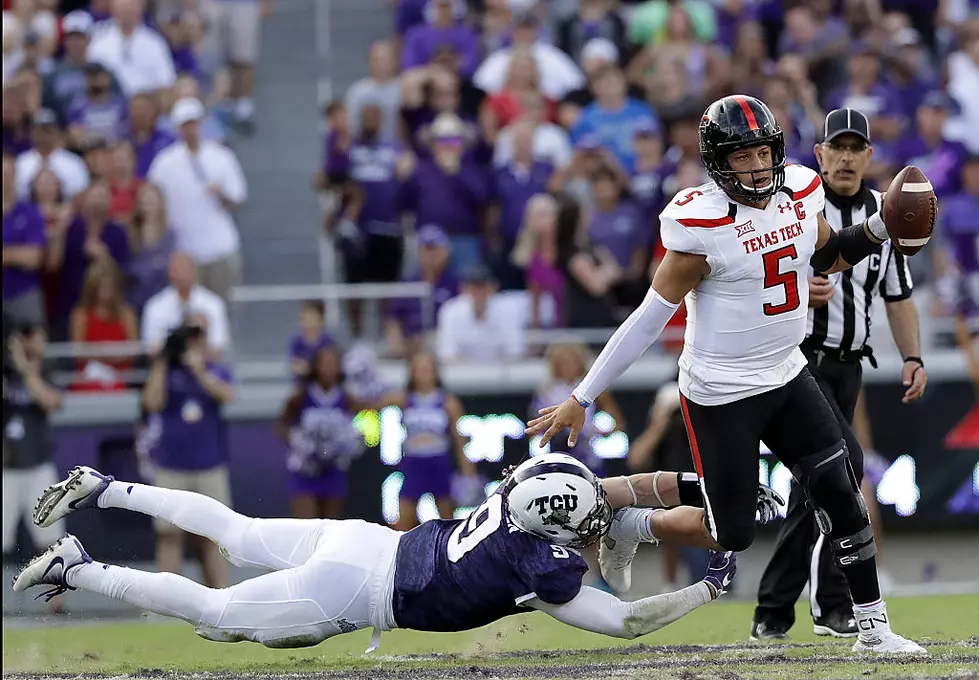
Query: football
(910, 210)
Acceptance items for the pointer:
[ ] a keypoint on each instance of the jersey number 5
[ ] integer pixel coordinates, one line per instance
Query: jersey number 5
(787, 280)
(483, 521)
(690, 195)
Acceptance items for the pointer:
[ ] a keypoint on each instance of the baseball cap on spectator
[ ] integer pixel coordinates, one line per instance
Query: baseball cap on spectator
(905, 37)
(862, 47)
(78, 21)
(936, 99)
(600, 48)
(186, 110)
(432, 236)
(589, 143)
(45, 117)
(478, 274)
(647, 128)
(447, 127)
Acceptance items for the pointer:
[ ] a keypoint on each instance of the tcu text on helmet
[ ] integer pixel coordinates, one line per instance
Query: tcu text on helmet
(567, 502)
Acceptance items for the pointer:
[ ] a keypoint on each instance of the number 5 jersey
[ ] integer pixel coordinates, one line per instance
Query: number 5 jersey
(746, 318)
(454, 575)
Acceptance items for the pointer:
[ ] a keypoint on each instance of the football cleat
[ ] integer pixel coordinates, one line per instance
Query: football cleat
(618, 549)
(888, 642)
(720, 571)
(840, 623)
(761, 630)
(79, 491)
(52, 567)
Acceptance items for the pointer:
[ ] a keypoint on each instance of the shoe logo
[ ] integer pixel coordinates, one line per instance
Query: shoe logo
(54, 563)
(869, 622)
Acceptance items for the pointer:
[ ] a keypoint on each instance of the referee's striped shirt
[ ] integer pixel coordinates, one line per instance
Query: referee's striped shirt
(844, 322)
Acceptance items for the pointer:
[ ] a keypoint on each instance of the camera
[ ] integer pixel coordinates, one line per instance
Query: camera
(176, 343)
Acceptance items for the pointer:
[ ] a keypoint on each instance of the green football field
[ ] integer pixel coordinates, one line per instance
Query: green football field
(708, 644)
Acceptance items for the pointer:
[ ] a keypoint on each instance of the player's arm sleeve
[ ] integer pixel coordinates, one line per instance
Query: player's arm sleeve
(600, 612)
(896, 284)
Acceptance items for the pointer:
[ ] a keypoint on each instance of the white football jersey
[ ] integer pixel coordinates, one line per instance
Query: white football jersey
(746, 318)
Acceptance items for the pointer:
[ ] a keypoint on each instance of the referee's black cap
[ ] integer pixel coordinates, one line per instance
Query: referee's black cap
(844, 121)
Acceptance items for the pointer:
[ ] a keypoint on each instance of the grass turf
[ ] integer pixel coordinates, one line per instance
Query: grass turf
(704, 645)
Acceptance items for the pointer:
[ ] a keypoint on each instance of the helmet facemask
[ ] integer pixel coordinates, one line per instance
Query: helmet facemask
(719, 170)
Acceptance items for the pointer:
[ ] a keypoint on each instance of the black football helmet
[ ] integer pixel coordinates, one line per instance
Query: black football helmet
(732, 123)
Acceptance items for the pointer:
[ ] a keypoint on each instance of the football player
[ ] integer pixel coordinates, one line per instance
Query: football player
(516, 551)
(739, 250)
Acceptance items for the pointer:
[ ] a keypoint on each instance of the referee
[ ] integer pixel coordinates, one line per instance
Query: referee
(835, 344)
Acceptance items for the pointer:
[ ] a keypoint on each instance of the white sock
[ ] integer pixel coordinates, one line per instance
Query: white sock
(871, 618)
(165, 594)
(192, 512)
(644, 525)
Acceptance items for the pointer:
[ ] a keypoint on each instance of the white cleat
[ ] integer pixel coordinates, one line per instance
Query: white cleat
(52, 567)
(618, 549)
(888, 642)
(79, 491)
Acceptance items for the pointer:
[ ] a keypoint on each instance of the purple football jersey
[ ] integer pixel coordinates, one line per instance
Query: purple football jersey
(454, 575)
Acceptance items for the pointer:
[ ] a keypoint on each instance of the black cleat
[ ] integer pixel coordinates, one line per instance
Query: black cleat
(761, 630)
(839, 623)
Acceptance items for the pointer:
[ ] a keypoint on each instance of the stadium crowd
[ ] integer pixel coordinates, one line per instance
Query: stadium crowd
(513, 154)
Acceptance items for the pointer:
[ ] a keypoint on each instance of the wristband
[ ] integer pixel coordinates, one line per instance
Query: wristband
(659, 499)
(581, 402)
(916, 360)
(632, 490)
(875, 223)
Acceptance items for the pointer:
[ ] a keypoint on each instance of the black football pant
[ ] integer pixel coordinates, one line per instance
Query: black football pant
(802, 553)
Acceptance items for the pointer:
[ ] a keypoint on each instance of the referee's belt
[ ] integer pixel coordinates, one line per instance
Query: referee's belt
(842, 356)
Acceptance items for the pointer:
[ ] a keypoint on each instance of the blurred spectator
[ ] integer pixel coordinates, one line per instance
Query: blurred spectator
(589, 273)
(689, 172)
(34, 30)
(963, 74)
(512, 187)
(910, 69)
(646, 176)
(166, 310)
(811, 34)
(123, 182)
(666, 91)
(750, 65)
(865, 89)
(23, 253)
(178, 28)
(443, 27)
(407, 325)
(64, 86)
(48, 152)
(649, 22)
(614, 117)
(90, 237)
(29, 396)
(319, 410)
(926, 146)
(362, 377)
(98, 112)
(311, 338)
(450, 190)
(145, 134)
(616, 225)
(957, 260)
(797, 128)
(16, 119)
(536, 254)
(102, 315)
(186, 392)
(589, 155)
(212, 127)
(567, 364)
(558, 74)
(594, 19)
(506, 106)
(234, 31)
(477, 325)
(97, 158)
(705, 70)
(203, 185)
(152, 243)
(551, 142)
(137, 55)
(381, 88)
(47, 195)
(428, 92)
(433, 449)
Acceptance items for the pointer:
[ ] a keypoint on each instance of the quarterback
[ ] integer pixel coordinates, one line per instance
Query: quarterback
(739, 250)
(517, 551)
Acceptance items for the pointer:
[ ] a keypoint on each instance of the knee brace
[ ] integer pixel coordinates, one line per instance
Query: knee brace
(834, 495)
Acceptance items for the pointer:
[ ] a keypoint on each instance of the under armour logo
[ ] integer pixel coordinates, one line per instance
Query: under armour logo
(785, 207)
(745, 228)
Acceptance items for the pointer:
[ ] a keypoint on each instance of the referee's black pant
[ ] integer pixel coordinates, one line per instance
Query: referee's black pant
(802, 553)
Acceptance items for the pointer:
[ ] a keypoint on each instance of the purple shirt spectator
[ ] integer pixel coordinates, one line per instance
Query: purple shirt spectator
(960, 230)
(192, 435)
(880, 100)
(148, 270)
(409, 312)
(336, 161)
(549, 280)
(185, 61)
(300, 348)
(454, 202)
(372, 165)
(513, 185)
(76, 261)
(16, 142)
(147, 149)
(105, 120)
(408, 14)
(621, 230)
(942, 164)
(22, 226)
(646, 188)
(422, 41)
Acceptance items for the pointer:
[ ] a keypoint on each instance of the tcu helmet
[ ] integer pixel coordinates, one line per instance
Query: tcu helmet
(558, 499)
(732, 123)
